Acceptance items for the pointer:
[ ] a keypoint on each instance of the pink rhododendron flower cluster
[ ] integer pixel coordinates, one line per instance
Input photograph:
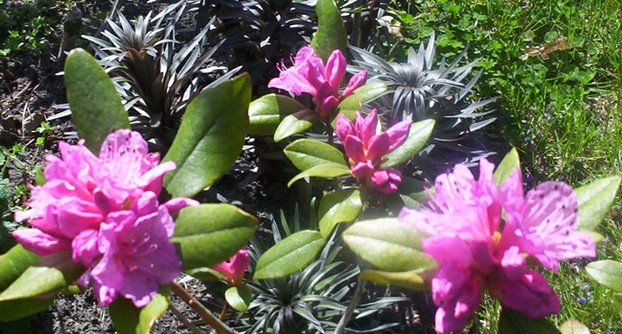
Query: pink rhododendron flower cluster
(365, 149)
(482, 236)
(104, 211)
(233, 269)
(309, 75)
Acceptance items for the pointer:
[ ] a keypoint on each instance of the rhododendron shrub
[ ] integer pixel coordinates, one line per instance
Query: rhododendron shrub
(365, 149)
(104, 210)
(308, 74)
(477, 250)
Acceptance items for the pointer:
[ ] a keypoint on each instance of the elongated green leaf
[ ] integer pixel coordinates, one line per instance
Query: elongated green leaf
(13, 263)
(297, 122)
(331, 32)
(289, 255)
(338, 207)
(595, 201)
(266, 113)
(416, 280)
(512, 322)
(127, 319)
(15, 309)
(96, 108)
(387, 244)
(607, 273)
(418, 136)
(617, 302)
(327, 171)
(51, 274)
(308, 153)
(353, 103)
(208, 234)
(573, 326)
(508, 165)
(210, 137)
(239, 297)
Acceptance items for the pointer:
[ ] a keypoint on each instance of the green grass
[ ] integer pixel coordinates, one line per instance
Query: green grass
(562, 112)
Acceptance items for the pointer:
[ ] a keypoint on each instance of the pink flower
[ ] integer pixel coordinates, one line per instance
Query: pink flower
(309, 75)
(86, 197)
(477, 248)
(137, 253)
(234, 268)
(365, 149)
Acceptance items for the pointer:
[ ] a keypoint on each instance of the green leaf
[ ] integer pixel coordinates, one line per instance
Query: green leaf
(512, 322)
(331, 32)
(266, 112)
(353, 103)
(418, 136)
(128, 319)
(338, 207)
(595, 201)
(327, 171)
(13, 263)
(315, 158)
(239, 297)
(210, 137)
(15, 309)
(308, 153)
(617, 302)
(297, 122)
(607, 273)
(96, 108)
(208, 234)
(416, 280)
(51, 274)
(573, 326)
(205, 274)
(387, 244)
(413, 193)
(508, 165)
(289, 255)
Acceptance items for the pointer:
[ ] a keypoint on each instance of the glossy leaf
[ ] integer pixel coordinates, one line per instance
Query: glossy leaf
(128, 319)
(512, 322)
(413, 193)
(387, 244)
(208, 234)
(308, 153)
(416, 280)
(51, 274)
(297, 122)
(353, 103)
(13, 263)
(239, 297)
(573, 326)
(315, 158)
(595, 201)
(96, 108)
(327, 171)
(15, 309)
(210, 137)
(341, 206)
(331, 32)
(607, 273)
(289, 255)
(507, 166)
(418, 136)
(266, 113)
(205, 274)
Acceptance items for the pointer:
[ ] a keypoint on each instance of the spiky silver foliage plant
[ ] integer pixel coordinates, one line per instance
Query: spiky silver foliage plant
(156, 71)
(419, 89)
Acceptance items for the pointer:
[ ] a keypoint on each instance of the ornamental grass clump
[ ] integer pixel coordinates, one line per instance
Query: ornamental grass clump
(104, 211)
(483, 236)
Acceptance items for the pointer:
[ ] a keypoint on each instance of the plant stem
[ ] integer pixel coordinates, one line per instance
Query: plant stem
(185, 321)
(356, 299)
(206, 315)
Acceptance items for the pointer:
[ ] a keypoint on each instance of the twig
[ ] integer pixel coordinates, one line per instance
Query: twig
(185, 321)
(206, 315)
(356, 299)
